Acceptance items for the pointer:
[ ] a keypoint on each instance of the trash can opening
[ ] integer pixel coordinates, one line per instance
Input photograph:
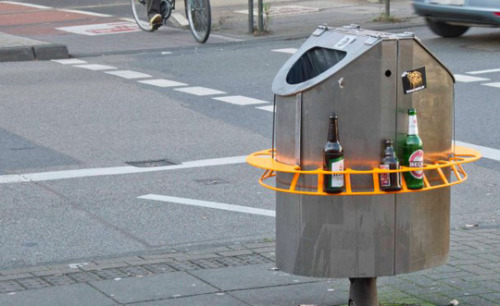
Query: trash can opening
(312, 63)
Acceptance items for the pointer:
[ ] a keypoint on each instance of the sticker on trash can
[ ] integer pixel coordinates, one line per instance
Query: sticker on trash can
(414, 80)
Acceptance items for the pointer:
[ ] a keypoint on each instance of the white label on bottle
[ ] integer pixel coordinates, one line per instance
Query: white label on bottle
(337, 179)
(412, 125)
(385, 179)
(417, 160)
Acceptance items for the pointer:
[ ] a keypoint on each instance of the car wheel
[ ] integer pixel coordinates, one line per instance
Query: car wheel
(446, 30)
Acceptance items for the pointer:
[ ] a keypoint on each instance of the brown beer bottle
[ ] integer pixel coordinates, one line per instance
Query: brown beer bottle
(390, 181)
(333, 158)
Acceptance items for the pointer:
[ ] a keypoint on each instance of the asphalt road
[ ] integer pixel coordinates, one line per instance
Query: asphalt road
(65, 117)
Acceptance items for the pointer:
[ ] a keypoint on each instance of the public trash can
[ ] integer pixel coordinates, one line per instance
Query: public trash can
(363, 232)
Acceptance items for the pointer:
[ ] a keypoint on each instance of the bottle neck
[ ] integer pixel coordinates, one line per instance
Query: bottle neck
(412, 125)
(333, 130)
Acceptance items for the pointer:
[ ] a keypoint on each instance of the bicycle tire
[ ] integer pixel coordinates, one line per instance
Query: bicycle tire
(200, 19)
(139, 10)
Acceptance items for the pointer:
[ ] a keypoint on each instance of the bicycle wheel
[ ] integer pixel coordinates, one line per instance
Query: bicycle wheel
(139, 9)
(200, 19)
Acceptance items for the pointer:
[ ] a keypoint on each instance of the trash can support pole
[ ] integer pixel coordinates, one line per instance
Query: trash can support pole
(363, 292)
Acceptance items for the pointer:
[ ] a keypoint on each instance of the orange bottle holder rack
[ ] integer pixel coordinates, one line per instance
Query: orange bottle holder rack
(264, 160)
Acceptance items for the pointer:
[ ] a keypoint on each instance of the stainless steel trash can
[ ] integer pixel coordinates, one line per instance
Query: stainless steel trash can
(362, 76)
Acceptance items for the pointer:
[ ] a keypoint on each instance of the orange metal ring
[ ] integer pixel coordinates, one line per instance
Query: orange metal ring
(263, 159)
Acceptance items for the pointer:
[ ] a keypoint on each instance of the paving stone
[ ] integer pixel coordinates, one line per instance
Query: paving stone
(33, 283)
(74, 295)
(234, 253)
(254, 259)
(159, 268)
(232, 261)
(10, 286)
(246, 277)
(183, 266)
(154, 287)
(319, 293)
(133, 271)
(84, 277)
(58, 280)
(110, 273)
(208, 263)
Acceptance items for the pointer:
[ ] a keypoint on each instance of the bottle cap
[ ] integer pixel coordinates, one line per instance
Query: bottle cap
(333, 116)
(388, 142)
(412, 111)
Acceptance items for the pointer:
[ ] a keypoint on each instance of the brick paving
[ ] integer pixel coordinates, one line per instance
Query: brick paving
(472, 275)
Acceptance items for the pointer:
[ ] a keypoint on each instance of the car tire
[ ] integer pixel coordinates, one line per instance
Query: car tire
(446, 30)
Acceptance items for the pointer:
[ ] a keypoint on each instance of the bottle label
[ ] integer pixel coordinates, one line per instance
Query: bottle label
(385, 178)
(412, 125)
(337, 180)
(417, 160)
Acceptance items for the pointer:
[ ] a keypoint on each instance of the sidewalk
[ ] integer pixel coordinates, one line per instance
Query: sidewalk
(244, 274)
(286, 20)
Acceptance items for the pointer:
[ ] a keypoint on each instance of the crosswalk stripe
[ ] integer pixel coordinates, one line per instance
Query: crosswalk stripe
(70, 61)
(129, 74)
(162, 83)
(95, 67)
(208, 204)
(468, 78)
(269, 108)
(497, 84)
(484, 71)
(200, 91)
(240, 100)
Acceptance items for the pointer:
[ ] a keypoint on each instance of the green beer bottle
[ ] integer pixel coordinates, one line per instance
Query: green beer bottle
(333, 158)
(413, 154)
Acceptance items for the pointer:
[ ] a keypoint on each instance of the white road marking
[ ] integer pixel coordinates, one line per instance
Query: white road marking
(269, 108)
(70, 61)
(163, 83)
(102, 28)
(240, 100)
(29, 5)
(129, 74)
(497, 84)
(200, 91)
(468, 78)
(93, 172)
(85, 13)
(286, 50)
(486, 152)
(484, 71)
(95, 67)
(207, 204)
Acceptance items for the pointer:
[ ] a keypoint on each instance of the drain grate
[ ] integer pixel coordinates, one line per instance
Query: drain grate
(151, 163)
(212, 181)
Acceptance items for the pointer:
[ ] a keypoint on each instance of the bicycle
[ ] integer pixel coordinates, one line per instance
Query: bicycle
(197, 13)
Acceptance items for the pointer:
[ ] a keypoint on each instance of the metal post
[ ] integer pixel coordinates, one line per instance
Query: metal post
(363, 292)
(261, 16)
(387, 8)
(250, 16)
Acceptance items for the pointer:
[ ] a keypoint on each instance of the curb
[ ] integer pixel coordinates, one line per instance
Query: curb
(31, 53)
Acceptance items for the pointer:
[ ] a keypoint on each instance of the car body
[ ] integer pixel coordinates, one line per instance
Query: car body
(452, 18)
